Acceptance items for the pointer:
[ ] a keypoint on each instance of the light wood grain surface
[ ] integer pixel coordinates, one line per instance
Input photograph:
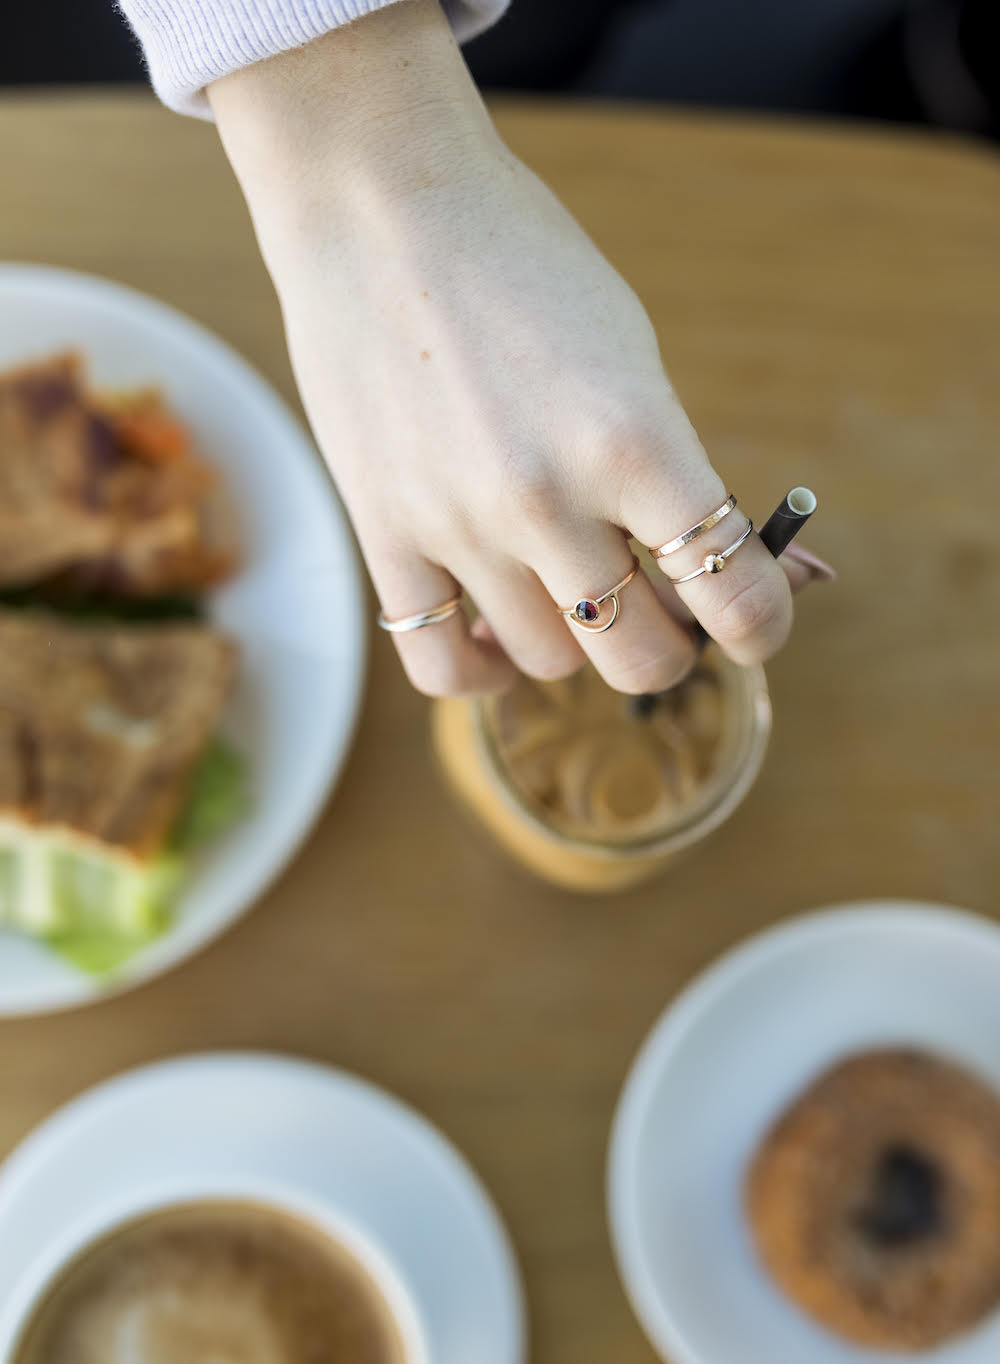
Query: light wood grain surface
(829, 307)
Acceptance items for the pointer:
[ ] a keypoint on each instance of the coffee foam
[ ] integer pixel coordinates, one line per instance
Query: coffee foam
(168, 1326)
(213, 1284)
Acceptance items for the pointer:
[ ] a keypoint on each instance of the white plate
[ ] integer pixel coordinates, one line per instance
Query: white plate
(295, 608)
(331, 1141)
(719, 1067)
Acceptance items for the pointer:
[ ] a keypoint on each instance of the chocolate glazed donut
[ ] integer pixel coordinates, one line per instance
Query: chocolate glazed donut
(875, 1200)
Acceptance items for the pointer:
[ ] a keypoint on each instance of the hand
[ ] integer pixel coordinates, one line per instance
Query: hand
(488, 392)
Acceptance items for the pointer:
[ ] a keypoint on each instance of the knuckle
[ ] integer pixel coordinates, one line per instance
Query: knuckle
(617, 422)
(535, 498)
(624, 438)
(637, 454)
(637, 471)
(758, 613)
(441, 520)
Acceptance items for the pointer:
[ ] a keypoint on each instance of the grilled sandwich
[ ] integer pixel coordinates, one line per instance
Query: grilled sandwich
(102, 728)
(100, 497)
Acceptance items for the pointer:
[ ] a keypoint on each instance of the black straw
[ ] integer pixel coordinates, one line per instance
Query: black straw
(785, 522)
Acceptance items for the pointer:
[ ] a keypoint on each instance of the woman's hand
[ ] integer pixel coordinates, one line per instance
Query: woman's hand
(486, 389)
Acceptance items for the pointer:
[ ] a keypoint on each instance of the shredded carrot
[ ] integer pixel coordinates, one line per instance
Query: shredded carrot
(152, 436)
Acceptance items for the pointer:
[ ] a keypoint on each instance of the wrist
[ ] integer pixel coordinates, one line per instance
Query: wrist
(374, 115)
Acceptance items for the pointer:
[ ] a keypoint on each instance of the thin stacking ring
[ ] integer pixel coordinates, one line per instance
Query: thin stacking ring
(714, 563)
(693, 532)
(432, 617)
(586, 614)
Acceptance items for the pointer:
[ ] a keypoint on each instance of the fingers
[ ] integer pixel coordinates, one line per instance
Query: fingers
(521, 615)
(799, 566)
(520, 625)
(444, 659)
(574, 549)
(644, 649)
(802, 567)
(747, 606)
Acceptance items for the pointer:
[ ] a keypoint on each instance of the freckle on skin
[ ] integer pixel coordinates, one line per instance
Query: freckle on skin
(426, 294)
(425, 355)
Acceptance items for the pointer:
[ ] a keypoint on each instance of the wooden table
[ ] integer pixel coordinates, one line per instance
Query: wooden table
(829, 306)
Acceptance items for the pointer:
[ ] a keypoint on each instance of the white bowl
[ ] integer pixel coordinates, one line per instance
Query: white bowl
(295, 608)
(334, 1149)
(724, 1060)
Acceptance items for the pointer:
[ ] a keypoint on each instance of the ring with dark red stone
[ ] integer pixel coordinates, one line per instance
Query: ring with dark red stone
(587, 613)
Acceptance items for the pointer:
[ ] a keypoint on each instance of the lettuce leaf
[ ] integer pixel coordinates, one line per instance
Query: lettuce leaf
(219, 798)
(98, 911)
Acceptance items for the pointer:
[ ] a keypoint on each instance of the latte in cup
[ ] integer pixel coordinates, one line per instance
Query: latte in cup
(220, 1282)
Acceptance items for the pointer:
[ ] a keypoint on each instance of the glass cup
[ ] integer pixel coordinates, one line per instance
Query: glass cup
(596, 791)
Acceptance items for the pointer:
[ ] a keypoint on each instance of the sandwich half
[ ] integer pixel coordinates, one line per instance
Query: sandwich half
(107, 736)
(100, 497)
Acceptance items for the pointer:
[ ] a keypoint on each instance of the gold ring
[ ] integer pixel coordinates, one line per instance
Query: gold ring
(714, 563)
(693, 532)
(586, 614)
(417, 622)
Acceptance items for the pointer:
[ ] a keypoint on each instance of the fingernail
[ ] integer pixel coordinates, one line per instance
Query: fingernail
(817, 568)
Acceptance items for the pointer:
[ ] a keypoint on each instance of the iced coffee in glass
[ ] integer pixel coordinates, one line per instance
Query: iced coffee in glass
(594, 790)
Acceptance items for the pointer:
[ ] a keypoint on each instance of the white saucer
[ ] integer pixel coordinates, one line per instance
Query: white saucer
(295, 607)
(719, 1067)
(329, 1139)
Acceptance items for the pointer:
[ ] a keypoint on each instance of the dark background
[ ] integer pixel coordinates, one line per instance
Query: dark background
(918, 61)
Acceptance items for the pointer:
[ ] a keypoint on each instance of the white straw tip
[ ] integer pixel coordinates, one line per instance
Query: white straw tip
(802, 501)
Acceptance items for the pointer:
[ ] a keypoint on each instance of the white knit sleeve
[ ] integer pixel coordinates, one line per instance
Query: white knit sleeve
(189, 43)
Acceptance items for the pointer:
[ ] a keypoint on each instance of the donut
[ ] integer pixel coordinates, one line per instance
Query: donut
(874, 1201)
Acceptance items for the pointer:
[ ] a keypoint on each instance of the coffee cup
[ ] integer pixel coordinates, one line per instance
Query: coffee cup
(320, 1262)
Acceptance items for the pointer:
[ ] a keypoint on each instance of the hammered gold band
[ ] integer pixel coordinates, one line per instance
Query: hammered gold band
(432, 617)
(693, 532)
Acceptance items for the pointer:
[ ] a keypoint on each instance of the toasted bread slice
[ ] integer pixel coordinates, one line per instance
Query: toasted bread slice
(52, 450)
(101, 725)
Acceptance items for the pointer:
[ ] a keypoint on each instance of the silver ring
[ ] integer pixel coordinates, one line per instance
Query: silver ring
(432, 617)
(714, 563)
(693, 532)
(586, 614)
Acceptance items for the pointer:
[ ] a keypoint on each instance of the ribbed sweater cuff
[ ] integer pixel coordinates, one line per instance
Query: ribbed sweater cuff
(189, 43)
